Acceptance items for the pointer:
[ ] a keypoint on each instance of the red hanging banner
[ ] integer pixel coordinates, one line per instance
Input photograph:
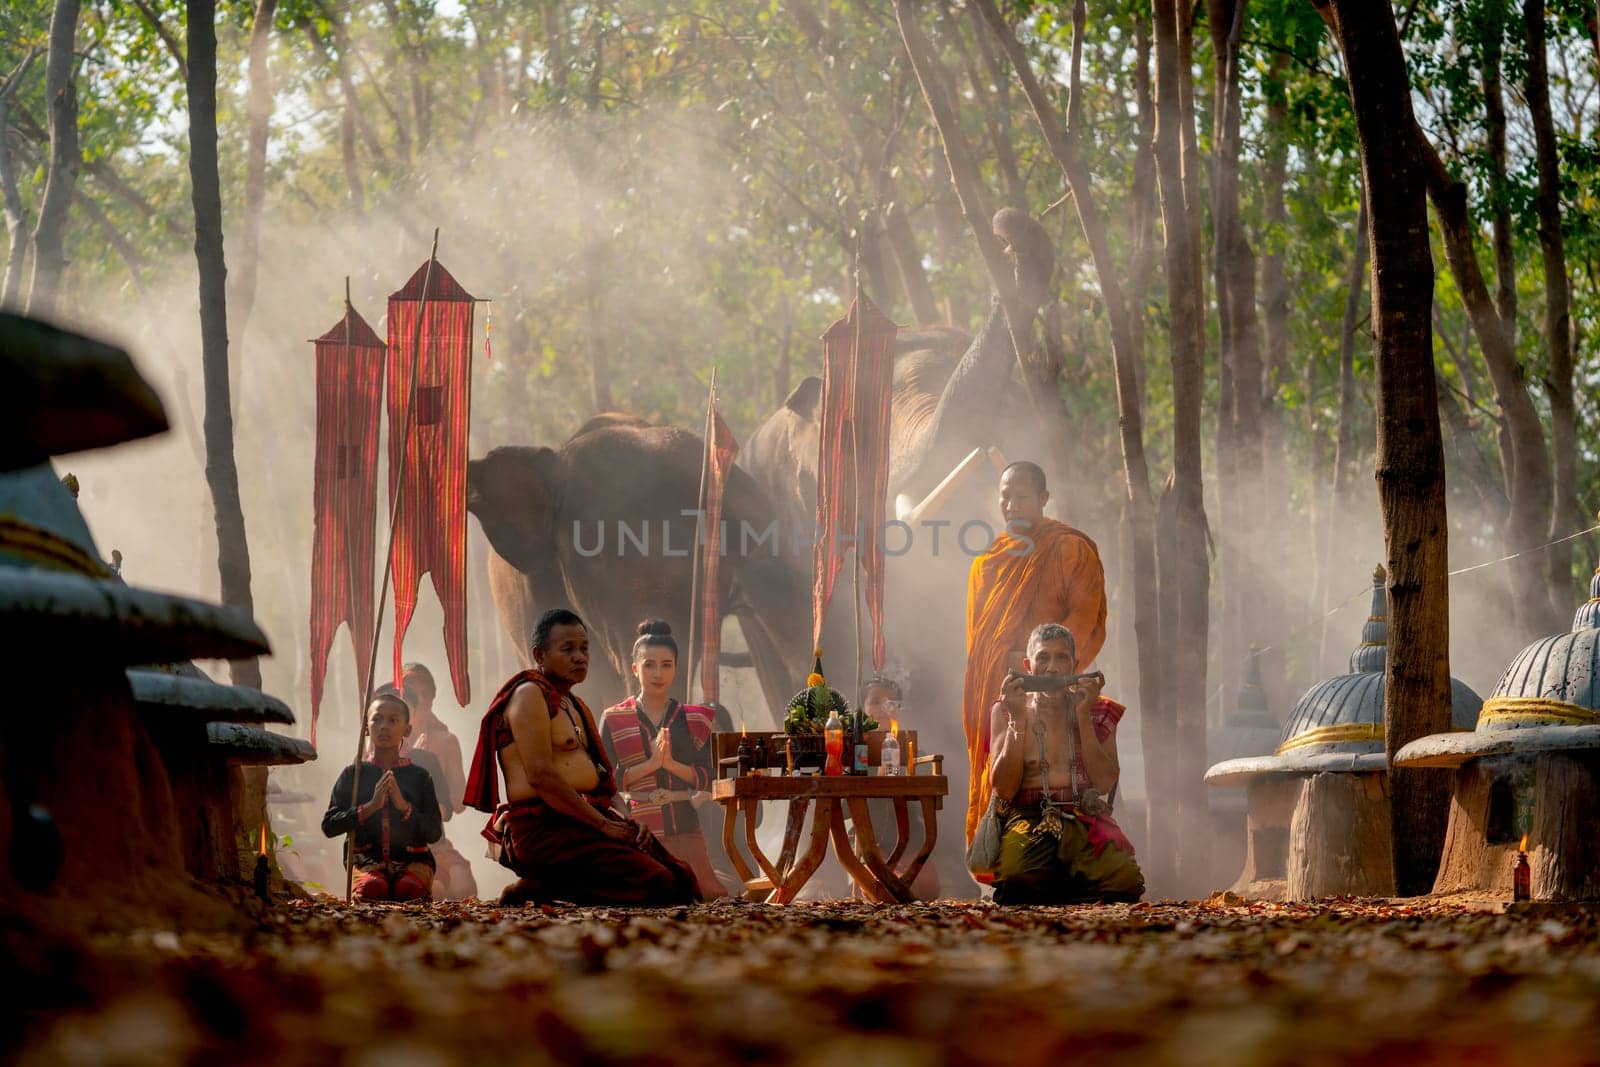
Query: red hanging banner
(722, 449)
(345, 494)
(857, 376)
(431, 537)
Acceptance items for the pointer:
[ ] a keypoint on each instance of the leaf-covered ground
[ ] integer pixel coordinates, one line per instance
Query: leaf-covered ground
(1219, 982)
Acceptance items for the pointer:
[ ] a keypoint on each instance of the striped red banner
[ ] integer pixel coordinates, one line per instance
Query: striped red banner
(431, 536)
(344, 495)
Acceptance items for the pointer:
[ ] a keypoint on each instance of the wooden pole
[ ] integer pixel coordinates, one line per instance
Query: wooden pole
(855, 469)
(388, 558)
(708, 431)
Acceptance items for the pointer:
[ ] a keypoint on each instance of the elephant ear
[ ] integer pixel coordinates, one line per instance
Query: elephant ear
(806, 399)
(516, 494)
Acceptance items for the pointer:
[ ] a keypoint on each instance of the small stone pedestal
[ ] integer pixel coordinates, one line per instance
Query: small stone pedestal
(1340, 842)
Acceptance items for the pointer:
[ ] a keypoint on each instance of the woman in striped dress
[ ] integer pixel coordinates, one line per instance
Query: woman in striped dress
(661, 750)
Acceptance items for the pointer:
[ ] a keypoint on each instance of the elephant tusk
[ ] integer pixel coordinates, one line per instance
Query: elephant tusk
(942, 492)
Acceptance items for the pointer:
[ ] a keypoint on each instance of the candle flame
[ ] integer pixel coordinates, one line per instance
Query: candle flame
(741, 728)
(1524, 846)
(894, 728)
(263, 839)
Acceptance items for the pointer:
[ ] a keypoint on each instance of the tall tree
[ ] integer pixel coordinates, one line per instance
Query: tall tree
(1185, 607)
(1528, 465)
(1564, 517)
(50, 232)
(222, 475)
(10, 194)
(243, 297)
(1239, 358)
(1410, 465)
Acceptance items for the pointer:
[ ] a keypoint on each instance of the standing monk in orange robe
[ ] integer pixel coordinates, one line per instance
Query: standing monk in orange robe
(1037, 571)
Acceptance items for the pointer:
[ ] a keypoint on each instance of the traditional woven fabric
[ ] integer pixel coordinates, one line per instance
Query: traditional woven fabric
(722, 449)
(630, 742)
(431, 537)
(857, 374)
(345, 495)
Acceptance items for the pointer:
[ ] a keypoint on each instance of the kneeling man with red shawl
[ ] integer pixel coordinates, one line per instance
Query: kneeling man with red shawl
(1052, 771)
(557, 829)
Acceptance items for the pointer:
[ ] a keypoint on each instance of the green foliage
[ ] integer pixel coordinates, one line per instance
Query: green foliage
(716, 168)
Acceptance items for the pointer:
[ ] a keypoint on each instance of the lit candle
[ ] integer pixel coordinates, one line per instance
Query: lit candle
(1521, 875)
(262, 882)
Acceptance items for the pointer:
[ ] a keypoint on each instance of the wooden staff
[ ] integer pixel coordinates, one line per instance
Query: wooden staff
(388, 559)
(699, 541)
(855, 466)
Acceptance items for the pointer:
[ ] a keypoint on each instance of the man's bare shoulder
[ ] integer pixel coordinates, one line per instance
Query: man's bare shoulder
(528, 698)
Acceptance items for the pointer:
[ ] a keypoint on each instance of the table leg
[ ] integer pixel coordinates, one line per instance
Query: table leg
(930, 834)
(750, 808)
(902, 823)
(869, 867)
(730, 809)
(791, 833)
(871, 887)
(795, 879)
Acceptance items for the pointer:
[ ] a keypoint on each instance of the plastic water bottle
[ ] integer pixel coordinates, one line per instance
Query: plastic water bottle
(890, 756)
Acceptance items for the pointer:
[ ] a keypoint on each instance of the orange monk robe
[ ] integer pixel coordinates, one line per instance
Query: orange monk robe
(1012, 588)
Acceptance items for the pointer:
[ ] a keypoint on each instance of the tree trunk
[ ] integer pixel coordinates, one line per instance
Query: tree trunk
(1234, 265)
(1494, 110)
(1530, 480)
(1143, 208)
(50, 231)
(352, 166)
(597, 332)
(999, 114)
(16, 221)
(1046, 401)
(255, 181)
(1177, 165)
(1344, 450)
(780, 368)
(1154, 709)
(1557, 307)
(233, 549)
(1410, 466)
(1340, 838)
(1275, 323)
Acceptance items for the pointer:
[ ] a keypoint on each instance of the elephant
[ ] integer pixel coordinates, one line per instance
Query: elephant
(553, 519)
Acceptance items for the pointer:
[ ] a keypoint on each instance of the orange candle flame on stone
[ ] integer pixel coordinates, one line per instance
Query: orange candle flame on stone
(263, 839)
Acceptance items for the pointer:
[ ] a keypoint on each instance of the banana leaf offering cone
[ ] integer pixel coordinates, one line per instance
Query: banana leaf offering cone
(809, 709)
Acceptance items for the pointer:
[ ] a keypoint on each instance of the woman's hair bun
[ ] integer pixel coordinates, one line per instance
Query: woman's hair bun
(655, 628)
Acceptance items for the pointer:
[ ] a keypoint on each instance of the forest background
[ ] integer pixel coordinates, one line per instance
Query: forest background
(650, 189)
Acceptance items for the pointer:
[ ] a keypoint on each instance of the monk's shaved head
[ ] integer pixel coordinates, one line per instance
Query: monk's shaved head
(1029, 470)
(1022, 495)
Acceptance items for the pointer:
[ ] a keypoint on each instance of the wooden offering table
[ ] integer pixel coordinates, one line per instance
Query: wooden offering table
(881, 878)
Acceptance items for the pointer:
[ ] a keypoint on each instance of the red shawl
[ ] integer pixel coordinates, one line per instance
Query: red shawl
(483, 780)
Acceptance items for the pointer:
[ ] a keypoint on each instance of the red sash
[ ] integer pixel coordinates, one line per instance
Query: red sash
(483, 780)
